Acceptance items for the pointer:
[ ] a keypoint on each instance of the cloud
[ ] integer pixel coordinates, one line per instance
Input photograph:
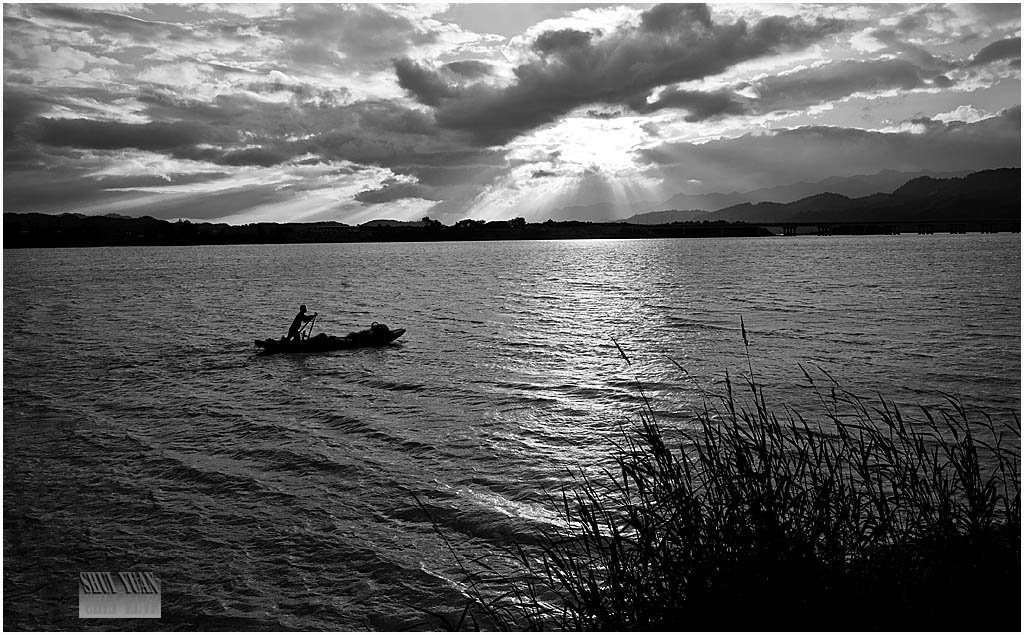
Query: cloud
(562, 40)
(20, 107)
(817, 152)
(123, 39)
(700, 105)
(916, 54)
(179, 75)
(109, 135)
(244, 130)
(933, 24)
(796, 90)
(665, 18)
(261, 156)
(303, 93)
(428, 87)
(108, 21)
(364, 105)
(966, 113)
(670, 44)
(470, 69)
(343, 36)
(56, 57)
(988, 16)
(395, 191)
(1008, 48)
(72, 185)
(836, 80)
(427, 163)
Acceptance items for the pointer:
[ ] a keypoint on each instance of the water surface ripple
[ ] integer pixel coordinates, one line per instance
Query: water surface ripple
(279, 493)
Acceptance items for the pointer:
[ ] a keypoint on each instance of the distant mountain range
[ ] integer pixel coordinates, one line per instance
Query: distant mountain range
(989, 194)
(989, 200)
(853, 186)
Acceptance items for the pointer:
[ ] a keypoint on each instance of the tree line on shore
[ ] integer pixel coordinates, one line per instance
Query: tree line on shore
(987, 201)
(78, 230)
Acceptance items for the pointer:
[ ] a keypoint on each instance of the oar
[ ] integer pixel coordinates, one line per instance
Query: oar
(310, 326)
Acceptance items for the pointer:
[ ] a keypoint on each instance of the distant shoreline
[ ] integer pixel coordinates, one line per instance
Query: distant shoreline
(75, 230)
(34, 230)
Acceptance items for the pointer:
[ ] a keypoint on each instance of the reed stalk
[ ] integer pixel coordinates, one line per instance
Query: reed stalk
(860, 516)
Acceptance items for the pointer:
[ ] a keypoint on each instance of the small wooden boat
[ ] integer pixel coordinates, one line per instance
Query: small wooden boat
(376, 335)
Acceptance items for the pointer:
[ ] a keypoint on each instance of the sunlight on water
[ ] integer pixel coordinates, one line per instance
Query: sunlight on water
(281, 492)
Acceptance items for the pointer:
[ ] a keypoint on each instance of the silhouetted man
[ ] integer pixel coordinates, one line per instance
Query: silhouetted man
(300, 319)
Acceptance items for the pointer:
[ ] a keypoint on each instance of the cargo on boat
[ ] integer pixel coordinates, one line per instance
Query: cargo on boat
(376, 335)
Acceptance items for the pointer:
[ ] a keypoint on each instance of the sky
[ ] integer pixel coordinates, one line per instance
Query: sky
(245, 113)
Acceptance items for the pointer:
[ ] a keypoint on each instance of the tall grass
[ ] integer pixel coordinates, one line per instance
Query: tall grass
(862, 517)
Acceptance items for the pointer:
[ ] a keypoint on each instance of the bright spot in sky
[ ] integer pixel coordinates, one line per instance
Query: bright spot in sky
(605, 144)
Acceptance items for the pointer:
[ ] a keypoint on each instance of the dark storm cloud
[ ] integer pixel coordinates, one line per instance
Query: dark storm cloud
(383, 116)
(428, 87)
(999, 50)
(672, 44)
(540, 174)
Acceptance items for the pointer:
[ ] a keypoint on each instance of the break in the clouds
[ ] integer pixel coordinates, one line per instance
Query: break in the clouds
(245, 113)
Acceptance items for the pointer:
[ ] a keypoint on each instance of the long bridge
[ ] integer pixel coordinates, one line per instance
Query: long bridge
(893, 228)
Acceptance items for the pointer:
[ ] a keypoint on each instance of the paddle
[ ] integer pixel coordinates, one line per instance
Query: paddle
(304, 334)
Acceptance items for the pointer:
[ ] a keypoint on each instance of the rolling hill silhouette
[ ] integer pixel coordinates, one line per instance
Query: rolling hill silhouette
(980, 196)
(861, 185)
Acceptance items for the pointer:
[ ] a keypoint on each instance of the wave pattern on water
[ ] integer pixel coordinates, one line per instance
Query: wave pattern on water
(281, 493)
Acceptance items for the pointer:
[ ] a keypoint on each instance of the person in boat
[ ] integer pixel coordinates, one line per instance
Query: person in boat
(300, 319)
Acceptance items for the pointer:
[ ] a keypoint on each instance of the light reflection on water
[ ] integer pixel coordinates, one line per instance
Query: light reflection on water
(141, 433)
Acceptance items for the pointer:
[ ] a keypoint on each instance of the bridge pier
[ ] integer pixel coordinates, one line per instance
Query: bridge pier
(824, 230)
(925, 228)
(789, 230)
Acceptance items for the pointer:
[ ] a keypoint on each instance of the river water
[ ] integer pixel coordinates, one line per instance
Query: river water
(141, 432)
